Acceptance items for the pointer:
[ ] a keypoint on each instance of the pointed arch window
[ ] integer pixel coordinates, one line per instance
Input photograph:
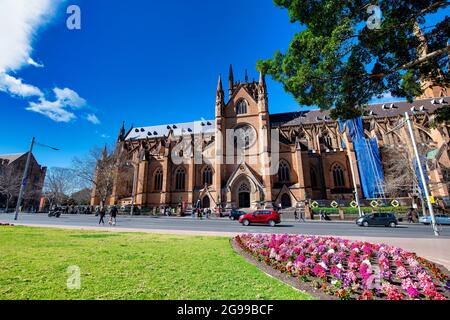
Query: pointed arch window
(313, 175)
(207, 176)
(180, 179)
(158, 180)
(284, 172)
(338, 176)
(241, 107)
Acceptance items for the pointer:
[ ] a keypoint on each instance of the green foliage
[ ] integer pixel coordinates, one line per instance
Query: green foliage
(337, 62)
(442, 115)
(354, 211)
(34, 264)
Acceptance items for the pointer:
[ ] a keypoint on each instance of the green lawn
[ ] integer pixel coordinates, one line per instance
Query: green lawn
(34, 262)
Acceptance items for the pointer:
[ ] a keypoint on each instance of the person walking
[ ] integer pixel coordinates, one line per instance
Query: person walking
(296, 215)
(302, 215)
(102, 214)
(113, 214)
(410, 215)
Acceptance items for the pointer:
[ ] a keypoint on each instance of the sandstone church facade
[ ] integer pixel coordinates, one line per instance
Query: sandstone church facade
(314, 159)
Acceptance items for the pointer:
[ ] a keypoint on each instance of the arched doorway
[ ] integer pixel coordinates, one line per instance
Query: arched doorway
(244, 196)
(286, 201)
(206, 203)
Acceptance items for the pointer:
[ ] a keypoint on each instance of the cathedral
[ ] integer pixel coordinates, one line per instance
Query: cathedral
(249, 158)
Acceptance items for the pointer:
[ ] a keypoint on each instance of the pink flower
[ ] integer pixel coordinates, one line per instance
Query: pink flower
(402, 272)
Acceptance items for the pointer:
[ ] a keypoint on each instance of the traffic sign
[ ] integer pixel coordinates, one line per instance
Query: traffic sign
(395, 203)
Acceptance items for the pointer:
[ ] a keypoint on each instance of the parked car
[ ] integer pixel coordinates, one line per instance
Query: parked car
(442, 219)
(236, 214)
(378, 219)
(270, 217)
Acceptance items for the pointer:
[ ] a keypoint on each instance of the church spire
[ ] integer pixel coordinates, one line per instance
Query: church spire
(219, 84)
(104, 153)
(246, 76)
(262, 81)
(230, 81)
(121, 132)
(220, 98)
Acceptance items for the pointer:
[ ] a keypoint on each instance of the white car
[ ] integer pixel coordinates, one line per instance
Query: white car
(441, 219)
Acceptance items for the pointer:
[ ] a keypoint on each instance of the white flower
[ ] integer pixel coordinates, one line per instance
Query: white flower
(339, 266)
(331, 251)
(323, 264)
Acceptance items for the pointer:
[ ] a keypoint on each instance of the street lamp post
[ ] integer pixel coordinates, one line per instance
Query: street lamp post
(24, 179)
(422, 175)
(25, 175)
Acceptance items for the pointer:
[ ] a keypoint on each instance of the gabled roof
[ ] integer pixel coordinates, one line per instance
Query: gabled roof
(178, 129)
(12, 157)
(378, 110)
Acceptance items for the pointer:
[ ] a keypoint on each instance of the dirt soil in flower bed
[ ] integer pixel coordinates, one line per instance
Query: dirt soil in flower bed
(289, 280)
(333, 268)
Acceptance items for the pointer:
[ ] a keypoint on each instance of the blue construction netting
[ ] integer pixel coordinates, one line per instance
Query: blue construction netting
(368, 158)
(424, 168)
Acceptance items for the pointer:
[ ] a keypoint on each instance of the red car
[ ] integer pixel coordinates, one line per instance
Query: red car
(270, 217)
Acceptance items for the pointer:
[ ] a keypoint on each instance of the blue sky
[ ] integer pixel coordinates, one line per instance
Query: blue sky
(144, 62)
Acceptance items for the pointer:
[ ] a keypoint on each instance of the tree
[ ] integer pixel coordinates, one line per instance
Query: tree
(400, 170)
(347, 54)
(82, 197)
(9, 184)
(59, 183)
(99, 168)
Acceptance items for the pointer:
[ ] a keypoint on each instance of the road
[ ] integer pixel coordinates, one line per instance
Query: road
(214, 225)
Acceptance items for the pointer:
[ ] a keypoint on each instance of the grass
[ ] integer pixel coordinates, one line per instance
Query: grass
(34, 262)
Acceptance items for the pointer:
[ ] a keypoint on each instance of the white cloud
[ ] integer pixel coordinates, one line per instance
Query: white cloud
(69, 97)
(20, 20)
(16, 87)
(92, 118)
(54, 110)
(33, 63)
(60, 110)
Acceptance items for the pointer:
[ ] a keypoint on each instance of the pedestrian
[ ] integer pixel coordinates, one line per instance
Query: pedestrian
(302, 216)
(296, 215)
(199, 214)
(97, 211)
(102, 215)
(410, 215)
(113, 215)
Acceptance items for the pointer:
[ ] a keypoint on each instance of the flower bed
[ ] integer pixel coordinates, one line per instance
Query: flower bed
(349, 269)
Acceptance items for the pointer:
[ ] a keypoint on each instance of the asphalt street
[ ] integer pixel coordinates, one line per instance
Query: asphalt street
(333, 228)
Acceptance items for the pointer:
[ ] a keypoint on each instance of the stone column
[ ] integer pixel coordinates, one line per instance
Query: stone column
(300, 172)
(141, 183)
(166, 185)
